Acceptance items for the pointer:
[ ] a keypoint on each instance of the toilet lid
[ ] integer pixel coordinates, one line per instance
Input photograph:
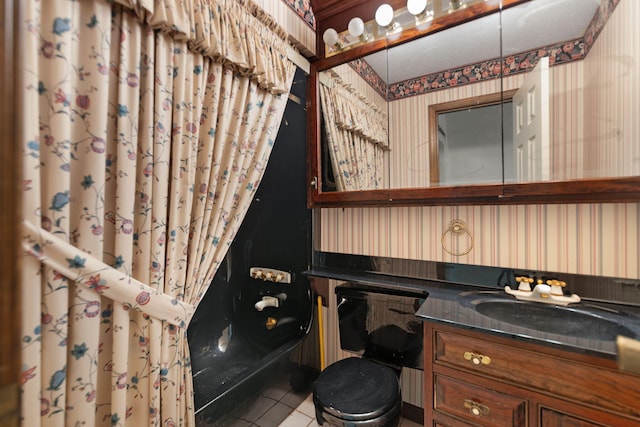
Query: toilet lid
(356, 389)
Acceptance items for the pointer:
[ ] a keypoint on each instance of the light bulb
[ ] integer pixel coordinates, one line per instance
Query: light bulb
(384, 15)
(416, 7)
(330, 37)
(356, 27)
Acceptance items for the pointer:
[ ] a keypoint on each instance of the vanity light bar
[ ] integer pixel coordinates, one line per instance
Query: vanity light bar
(417, 14)
(384, 17)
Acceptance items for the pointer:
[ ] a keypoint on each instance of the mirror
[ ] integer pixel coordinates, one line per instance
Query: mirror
(587, 148)
(417, 83)
(466, 142)
(584, 100)
(355, 126)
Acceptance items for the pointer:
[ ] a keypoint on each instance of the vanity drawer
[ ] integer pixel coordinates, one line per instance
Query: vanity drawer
(478, 405)
(479, 356)
(602, 388)
(550, 418)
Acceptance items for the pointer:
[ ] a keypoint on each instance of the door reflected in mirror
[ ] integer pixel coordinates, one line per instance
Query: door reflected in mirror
(467, 141)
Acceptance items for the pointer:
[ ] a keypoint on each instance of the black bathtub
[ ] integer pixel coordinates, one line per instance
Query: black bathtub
(236, 349)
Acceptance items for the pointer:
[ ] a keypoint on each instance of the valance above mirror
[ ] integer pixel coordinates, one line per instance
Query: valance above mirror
(561, 82)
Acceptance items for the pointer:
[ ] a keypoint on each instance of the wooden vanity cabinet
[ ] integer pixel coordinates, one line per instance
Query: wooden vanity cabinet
(481, 379)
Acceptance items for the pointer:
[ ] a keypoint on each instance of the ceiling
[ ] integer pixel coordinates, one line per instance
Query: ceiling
(534, 24)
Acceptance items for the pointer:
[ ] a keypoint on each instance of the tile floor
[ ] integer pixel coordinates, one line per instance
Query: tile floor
(304, 416)
(275, 404)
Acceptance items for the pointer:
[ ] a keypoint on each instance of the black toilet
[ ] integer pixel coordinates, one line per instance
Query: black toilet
(379, 324)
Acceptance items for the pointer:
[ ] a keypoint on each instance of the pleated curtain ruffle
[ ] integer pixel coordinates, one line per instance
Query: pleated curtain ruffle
(354, 113)
(226, 31)
(357, 136)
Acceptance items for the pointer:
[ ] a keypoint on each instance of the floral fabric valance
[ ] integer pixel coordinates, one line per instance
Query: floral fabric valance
(356, 134)
(352, 112)
(226, 31)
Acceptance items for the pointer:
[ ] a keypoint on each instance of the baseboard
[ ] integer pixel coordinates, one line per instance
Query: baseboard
(413, 413)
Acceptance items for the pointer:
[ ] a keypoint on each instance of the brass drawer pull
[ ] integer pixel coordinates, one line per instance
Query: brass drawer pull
(477, 359)
(476, 409)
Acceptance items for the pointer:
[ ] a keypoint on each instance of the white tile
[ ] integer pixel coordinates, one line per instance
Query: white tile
(296, 419)
(234, 422)
(409, 423)
(307, 407)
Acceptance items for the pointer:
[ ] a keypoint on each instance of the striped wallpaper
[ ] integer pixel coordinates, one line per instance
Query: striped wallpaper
(589, 239)
(592, 239)
(409, 131)
(593, 133)
(613, 74)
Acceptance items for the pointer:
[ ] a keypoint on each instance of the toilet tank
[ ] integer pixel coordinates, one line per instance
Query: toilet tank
(379, 322)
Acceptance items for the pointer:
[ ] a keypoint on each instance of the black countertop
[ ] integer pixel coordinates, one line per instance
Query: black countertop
(443, 306)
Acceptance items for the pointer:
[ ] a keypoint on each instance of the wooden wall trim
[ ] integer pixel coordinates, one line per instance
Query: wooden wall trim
(9, 215)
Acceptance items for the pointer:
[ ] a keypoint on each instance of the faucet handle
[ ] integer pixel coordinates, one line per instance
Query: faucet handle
(556, 286)
(554, 282)
(524, 283)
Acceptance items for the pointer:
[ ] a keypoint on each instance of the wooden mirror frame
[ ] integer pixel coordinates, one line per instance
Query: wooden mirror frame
(335, 14)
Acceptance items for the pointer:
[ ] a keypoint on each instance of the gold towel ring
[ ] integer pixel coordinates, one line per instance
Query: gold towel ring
(458, 228)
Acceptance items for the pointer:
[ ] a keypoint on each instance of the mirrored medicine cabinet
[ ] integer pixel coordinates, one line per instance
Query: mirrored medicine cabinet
(485, 102)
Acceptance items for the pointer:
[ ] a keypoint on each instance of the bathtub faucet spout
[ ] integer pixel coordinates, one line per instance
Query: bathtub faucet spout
(270, 301)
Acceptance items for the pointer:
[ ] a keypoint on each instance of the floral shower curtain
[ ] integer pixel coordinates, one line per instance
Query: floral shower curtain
(146, 129)
(357, 136)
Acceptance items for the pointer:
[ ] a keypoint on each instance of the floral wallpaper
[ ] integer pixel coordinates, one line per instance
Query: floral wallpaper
(303, 9)
(370, 75)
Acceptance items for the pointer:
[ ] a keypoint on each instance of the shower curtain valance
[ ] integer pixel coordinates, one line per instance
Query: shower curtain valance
(350, 111)
(237, 33)
(356, 132)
